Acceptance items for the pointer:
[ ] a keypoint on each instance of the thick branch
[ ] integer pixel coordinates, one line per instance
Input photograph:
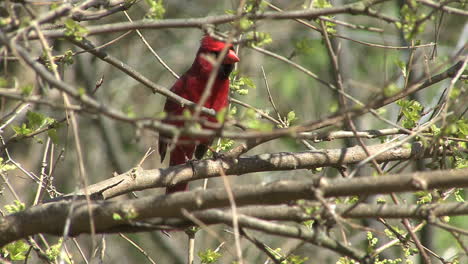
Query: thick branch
(139, 179)
(50, 217)
(301, 213)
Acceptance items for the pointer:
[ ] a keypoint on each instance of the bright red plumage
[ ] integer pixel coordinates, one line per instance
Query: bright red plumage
(191, 86)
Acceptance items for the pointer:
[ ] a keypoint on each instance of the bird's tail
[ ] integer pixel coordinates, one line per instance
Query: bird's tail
(180, 155)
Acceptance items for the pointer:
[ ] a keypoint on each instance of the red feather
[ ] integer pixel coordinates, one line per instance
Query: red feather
(191, 86)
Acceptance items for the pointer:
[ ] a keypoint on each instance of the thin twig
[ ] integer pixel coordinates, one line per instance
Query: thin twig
(134, 244)
(152, 50)
(235, 223)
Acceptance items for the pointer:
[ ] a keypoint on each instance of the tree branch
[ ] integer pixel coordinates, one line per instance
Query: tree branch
(50, 217)
(139, 179)
(361, 8)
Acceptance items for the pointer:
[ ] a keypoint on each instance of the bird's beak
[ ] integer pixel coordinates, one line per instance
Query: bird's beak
(231, 57)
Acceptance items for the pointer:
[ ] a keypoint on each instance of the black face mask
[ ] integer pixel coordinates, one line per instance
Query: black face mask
(225, 70)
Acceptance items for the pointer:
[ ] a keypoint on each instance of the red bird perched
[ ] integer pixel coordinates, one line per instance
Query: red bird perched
(191, 86)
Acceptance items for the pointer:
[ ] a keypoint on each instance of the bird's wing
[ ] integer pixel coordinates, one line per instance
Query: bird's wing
(171, 108)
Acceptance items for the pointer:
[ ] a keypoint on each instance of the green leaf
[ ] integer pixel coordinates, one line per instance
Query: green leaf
(69, 24)
(309, 224)
(321, 4)
(81, 91)
(411, 111)
(129, 111)
(54, 251)
(305, 46)
(455, 93)
(130, 214)
(68, 57)
(333, 107)
(245, 23)
(353, 199)
(22, 130)
(460, 195)
(435, 130)
(4, 167)
(381, 200)
(462, 127)
(291, 116)
(371, 239)
(248, 82)
(225, 144)
(116, 217)
(391, 90)
(346, 260)
(330, 26)
(16, 250)
(16, 207)
(424, 197)
(156, 10)
(27, 89)
(240, 85)
(52, 133)
(208, 256)
(295, 259)
(35, 120)
(187, 114)
(461, 160)
(410, 20)
(233, 111)
(258, 39)
(75, 30)
(221, 114)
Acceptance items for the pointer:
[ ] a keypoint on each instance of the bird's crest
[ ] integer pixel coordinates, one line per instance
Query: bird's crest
(211, 44)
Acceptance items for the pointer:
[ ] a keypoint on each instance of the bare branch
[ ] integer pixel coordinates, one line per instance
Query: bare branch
(355, 8)
(139, 179)
(37, 219)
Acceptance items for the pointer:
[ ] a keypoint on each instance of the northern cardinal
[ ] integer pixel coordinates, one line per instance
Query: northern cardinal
(191, 86)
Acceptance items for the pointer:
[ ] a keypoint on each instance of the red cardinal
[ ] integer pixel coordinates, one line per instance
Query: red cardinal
(191, 86)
